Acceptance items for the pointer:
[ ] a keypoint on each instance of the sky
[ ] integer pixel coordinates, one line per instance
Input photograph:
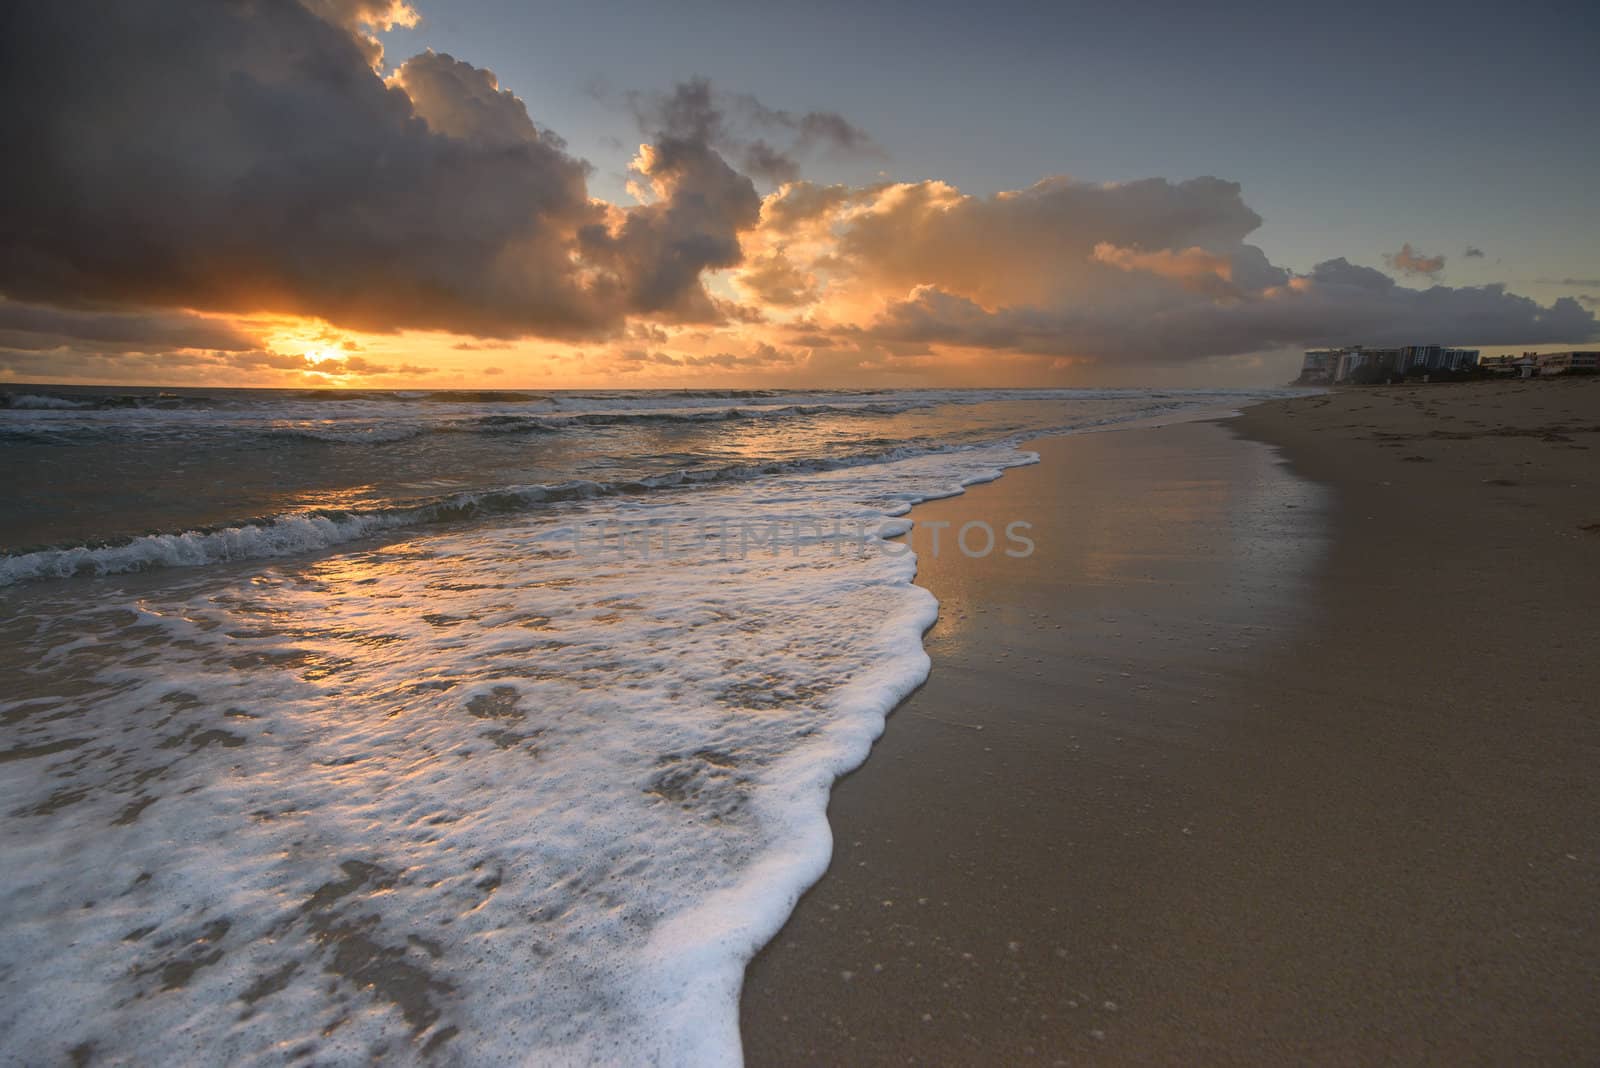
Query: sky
(451, 193)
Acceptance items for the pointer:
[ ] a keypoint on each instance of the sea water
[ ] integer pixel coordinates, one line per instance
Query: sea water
(477, 727)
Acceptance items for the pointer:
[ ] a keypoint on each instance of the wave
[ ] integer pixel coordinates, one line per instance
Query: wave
(717, 415)
(482, 396)
(29, 436)
(555, 423)
(324, 528)
(367, 430)
(355, 435)
(38, 401)
(95, 400)
(548, 424)
(298, 532)
(108, 402)
(686, 394)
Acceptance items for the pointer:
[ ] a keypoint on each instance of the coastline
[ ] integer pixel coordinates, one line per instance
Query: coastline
(1242, 765)
(409, 751)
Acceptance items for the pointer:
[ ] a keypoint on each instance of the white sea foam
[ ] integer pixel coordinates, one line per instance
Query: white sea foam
(41, 403)
(282, 536)
(293, 533)
(472, 795)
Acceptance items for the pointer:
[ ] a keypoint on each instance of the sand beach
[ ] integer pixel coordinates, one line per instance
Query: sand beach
(1281, 747)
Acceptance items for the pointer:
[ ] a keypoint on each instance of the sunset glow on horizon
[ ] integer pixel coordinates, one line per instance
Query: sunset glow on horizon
(413, 223)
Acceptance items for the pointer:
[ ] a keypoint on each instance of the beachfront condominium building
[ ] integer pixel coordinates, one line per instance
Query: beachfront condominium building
(1318, 366)
(1415, 358)
(1524, 366)
(1544, 364)
(1327, 366)
(1570, 362)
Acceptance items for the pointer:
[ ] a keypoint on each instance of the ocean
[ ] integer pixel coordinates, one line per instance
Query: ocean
(456, 726)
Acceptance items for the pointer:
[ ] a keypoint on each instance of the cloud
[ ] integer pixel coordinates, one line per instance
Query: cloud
(66, 366)
(1410, 261)
(659, 250)
(798, 204)
(1037, 244)
(357, 365)
(1147, 272)
(67, 344)
(759, 359)
(1567, 281)
(365, 18)
(464, 102)
(247, 157)
(1307, 312)
(762, 356)
(648, 332)
(741, 127)
(636, 360)
(1473, 253)
(774, 279)
(253, 157)
(365, 14)
(28, 326)
(1194, 268)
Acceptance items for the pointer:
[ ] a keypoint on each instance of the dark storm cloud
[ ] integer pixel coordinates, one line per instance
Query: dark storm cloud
(362, 18)
(766, 162)
(742, 127)
(1473, 253)
(660, 250)
(244, 156)
(26, 326)
(833, 131)
(701, 204)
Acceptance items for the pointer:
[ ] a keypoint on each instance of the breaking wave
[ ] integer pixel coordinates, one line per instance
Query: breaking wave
(298, 532)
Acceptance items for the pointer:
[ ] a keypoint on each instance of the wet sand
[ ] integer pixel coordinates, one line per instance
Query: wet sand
(1248, 763)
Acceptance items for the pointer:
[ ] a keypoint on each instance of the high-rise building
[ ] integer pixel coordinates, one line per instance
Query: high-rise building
(1328, 366)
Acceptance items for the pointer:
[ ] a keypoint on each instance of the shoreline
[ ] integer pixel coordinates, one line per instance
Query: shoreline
(1290, 825)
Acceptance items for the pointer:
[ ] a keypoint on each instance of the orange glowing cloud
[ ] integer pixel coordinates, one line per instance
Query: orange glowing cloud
(1194, 267)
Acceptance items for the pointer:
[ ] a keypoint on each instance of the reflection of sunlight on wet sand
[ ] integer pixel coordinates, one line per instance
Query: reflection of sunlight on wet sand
(1222, 521)
(1179, 512)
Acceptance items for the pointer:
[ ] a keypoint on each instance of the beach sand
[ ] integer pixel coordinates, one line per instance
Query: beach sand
(1253, 761)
